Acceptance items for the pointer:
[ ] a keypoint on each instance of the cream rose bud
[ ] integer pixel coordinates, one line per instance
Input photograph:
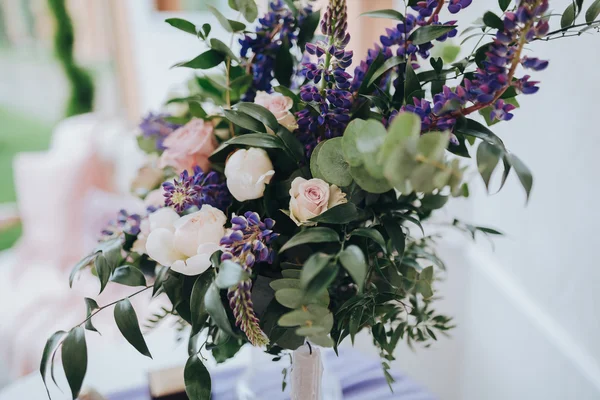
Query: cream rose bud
(248, 172)
(311, 198)
(280, 106)
(185, 244)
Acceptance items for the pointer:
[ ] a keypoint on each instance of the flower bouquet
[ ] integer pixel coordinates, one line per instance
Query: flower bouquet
(350, 165)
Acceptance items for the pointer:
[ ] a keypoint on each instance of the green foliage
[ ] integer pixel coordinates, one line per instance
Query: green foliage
(197, 379)
(388, 14)
(81, 98)
(428, 33)
(248, 8)
(127, 322)
(74, 359)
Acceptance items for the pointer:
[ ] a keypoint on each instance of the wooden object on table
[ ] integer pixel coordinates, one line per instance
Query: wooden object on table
(167, 384)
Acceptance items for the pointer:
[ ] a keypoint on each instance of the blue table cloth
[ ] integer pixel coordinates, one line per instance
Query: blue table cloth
(361, 378)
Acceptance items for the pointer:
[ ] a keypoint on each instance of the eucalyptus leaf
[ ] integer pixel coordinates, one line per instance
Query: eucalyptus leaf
(286, 283)
(332, 165)
(367, 182)
(314, 165)
(74, 359)
(127, 322)
(290, 298)
(320, 340)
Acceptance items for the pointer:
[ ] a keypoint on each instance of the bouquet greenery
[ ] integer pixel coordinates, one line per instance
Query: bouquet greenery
(349, 165)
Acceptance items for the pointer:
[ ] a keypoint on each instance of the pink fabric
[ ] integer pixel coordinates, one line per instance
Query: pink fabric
(65, 197)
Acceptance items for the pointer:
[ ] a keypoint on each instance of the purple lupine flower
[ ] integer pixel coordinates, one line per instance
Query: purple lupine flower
(260, 49)
(247, 243)
(501, 111)
(396, 38)
(495, 74)
(125, 223)
(328, 95)
(197, 189)
(157, 127)
(455, 6)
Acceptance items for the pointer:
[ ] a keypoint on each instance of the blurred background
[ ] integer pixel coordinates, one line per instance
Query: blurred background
(526, 308)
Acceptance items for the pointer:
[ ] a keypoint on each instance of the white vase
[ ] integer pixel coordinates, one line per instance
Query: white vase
(306, 377)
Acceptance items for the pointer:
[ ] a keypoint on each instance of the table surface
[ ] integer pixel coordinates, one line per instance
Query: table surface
(120, 373)
(361, 378)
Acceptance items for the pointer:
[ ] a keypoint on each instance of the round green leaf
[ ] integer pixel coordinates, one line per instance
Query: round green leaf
(314, 167)
(286, 283)
(332, 165)
(290, 298)
(367, 182)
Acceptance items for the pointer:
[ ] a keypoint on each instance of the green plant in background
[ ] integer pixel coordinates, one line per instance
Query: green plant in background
(81, 99)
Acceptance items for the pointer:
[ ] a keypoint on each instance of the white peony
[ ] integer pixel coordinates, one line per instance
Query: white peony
(185, 243)
(248, 172)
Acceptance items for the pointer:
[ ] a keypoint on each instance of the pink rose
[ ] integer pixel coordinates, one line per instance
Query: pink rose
(189, 145)
(280, 106)
(312, 198)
